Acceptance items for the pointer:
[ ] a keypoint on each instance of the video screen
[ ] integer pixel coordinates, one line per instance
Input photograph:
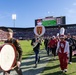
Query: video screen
(50, 21)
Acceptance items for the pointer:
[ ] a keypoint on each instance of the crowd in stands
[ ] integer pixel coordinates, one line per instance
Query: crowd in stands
(3, 35)
(24, 34)
(28, 33)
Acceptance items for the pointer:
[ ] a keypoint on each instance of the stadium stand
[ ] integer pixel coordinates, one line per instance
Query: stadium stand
(28, 33)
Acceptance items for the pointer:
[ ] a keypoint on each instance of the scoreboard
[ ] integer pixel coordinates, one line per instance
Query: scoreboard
(51, 21)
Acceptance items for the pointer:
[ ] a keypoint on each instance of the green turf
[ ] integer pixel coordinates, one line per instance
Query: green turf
(26, 47)
(53, 68)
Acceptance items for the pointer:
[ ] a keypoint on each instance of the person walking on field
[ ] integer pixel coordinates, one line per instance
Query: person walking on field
(36, 46)
(63, 53)
(15, 42)
(70, 40)
(53, 44)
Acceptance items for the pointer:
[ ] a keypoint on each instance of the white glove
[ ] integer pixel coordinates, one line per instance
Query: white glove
(18, 63)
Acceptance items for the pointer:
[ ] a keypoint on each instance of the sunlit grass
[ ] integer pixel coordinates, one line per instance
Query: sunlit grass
(53, 68)
(26, 47)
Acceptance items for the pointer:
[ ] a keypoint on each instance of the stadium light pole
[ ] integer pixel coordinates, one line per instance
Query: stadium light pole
(14, 18)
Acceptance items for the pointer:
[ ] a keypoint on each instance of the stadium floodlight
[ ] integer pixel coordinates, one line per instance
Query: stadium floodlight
(14, 18)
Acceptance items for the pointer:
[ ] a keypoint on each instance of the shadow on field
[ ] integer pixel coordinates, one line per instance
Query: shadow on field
(56, 73)
(60, 73)
(27, 57)
(24, 56)
(74, 59)
(28, 64)
(52, 67)
(72, 73)
(33, 71)
(31, 61)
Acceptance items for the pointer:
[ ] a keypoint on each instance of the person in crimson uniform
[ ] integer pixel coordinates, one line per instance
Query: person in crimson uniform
(15, 42)
(52, 44)
(63, 53)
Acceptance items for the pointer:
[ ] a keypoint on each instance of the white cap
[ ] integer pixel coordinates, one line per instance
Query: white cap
(53, 36)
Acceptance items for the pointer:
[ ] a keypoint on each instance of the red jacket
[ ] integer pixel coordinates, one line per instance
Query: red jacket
(52, 43)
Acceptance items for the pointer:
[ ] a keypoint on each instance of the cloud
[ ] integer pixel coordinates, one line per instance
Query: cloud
(70, 13)
(74, 4)
(50, 12)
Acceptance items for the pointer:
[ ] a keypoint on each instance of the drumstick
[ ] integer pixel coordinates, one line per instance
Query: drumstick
(14, 67)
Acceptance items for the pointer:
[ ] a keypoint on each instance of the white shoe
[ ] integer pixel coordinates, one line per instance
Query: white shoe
(65, 70)
(70, 62)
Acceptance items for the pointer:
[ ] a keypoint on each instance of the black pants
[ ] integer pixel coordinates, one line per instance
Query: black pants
(70, 55)
(17, 69)
(36, 55)
(48, 50)
(54, 51)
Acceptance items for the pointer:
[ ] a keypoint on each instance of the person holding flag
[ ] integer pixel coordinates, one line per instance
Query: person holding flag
(39, 30)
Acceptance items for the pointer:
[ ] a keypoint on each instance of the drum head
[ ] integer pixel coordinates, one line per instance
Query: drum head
(7, 57)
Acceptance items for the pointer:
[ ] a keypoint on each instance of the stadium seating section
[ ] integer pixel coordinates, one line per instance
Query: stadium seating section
(28, 33)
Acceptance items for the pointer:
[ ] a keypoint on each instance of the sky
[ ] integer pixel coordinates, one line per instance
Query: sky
(28, 10)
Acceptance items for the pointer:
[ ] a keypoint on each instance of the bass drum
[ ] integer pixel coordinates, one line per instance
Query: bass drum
(7, 57)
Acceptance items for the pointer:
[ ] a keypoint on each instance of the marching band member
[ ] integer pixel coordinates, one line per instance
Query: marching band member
(46, 45)
(52, 44)
(63, 51)
(36, 46)
(70, 40)
(39, 30)
(13, 41)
